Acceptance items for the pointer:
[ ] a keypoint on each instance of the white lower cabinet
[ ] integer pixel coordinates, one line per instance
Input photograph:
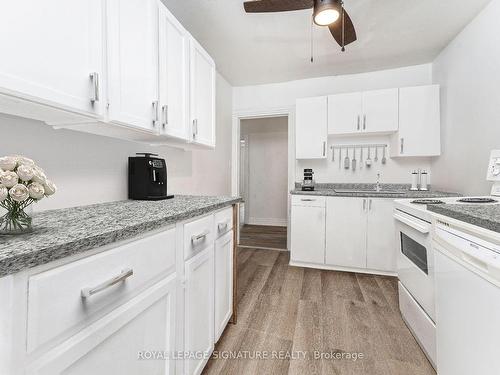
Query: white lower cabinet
(122, 341)
(346, 232)
(199, 310)
(308, 229)
(380, 235)
(223, 283)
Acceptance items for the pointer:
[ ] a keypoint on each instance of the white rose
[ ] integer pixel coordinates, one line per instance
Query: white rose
(50, 188)
(4, 193)
(19, 193)
(25, 172)
(9, 179)
(39, 176)
(8, 163)
(36, 190)
(22, 160)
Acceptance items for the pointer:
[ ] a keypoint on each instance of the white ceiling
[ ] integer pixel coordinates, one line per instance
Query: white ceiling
(275, 47)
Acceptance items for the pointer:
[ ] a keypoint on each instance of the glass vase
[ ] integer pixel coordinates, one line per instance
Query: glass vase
(15, 220)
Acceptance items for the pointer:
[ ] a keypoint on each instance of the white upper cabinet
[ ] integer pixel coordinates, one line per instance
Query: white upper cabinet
(202, 93)
(49, 50)
(344, 113)
(363, 112)
(133, 63)
(311, 128)
(419, 123)
(174, 76)
(380, 111)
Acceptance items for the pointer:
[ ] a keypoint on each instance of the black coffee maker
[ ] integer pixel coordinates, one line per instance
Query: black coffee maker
(147, 177)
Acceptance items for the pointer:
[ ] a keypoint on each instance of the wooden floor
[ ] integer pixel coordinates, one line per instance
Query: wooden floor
(263, 236)
(295, 310)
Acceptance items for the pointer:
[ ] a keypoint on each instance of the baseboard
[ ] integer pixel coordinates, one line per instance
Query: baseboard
(267, 221)
(343, 269)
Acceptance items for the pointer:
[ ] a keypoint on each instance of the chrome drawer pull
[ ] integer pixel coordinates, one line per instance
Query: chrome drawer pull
(88, 292)
(198, 237)
(308, 200)
(222, 226)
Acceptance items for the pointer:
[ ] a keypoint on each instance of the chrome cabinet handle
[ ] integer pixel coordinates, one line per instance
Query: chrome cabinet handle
(155, 112)
(370, 205)
(364, 122)
(402, 143)
(222, 226)
(359, 122)
(195, 127)
(88, 292)
(201, 236)
(164, 114)
(308, 200)
(364, 204)
(324, 148)
(94, 77)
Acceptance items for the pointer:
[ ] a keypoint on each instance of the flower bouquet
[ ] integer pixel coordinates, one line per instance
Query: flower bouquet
(21, 183)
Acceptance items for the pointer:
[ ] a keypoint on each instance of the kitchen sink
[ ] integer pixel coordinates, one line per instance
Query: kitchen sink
(357, 191)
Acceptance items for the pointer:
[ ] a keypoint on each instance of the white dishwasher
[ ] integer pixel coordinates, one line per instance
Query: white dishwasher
(467, 272)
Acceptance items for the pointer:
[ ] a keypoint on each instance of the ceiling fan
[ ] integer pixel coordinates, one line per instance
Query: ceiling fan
(329, 13)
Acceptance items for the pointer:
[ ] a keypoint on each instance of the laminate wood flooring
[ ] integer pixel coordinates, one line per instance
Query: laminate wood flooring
(292, 310)
(263, 236)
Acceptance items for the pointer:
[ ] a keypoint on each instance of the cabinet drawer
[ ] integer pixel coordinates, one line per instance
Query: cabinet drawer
(56, 302)
(223, 221)
(198, 234)
(308, 200)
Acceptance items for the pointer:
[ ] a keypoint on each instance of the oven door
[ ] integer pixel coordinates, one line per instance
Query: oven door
(415, 260)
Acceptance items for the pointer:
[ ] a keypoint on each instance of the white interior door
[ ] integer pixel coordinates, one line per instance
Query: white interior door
(380, 111)
(380, 238)
(346, 232)
(202, 95)
(308, 234)
(199, 309)
(49, 48)
(311, 128)
(344, 113)
(223, 282)
(133, 63)
(173, 75)
(116, 343)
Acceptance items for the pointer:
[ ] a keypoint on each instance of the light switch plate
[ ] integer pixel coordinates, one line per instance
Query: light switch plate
(494, 166)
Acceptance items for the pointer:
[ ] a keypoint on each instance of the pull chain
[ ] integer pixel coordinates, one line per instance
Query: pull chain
(343, 27)
(312, 40)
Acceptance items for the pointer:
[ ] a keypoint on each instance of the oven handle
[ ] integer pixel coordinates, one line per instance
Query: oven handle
(406, 219)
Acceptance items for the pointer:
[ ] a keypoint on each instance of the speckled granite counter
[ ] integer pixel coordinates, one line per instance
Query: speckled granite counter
(484, 216)
(403, 191)
(61, 233)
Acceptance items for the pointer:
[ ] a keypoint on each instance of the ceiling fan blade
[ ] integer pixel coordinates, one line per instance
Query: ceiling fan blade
(349, 32)
(264, 6)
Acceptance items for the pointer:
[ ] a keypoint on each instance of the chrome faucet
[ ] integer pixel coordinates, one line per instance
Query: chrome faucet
(377, 186)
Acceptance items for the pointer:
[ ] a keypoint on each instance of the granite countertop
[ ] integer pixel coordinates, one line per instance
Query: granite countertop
(61, 233)
(482, 215)
(325, 189)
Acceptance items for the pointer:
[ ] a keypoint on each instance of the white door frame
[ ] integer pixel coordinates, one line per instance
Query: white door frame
(262, 113)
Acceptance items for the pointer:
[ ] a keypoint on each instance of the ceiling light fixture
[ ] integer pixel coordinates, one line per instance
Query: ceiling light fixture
(326, 12)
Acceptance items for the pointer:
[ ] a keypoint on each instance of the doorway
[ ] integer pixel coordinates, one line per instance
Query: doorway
(263, 182)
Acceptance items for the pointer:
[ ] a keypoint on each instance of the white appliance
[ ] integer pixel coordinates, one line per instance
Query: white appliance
(467, 271)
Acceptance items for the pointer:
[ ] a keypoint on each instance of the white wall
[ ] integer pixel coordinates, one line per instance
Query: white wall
(92, 169)
(283, 95)
(267, 150)
(468, 71)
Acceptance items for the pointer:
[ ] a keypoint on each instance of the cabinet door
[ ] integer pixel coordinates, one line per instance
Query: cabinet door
(199, 309)
(121, 342)
(346, 232)
(419, 122)
(173, 75)
(308, 234)
(380, 237)
(223, 282)
(380, 111)
(49, 49)
(202, 93)
(133, 63)
(311, 128)
(344, 113)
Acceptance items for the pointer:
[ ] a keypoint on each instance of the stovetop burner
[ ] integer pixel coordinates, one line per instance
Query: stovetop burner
(427, 201)
(477, 200)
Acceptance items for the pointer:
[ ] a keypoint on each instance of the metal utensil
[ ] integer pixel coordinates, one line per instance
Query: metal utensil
(340, 157)
(368, 159)
(384, 159)
(347, 161)
(361, 159)
(354, 161)
(376, 154)
(333, 154)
